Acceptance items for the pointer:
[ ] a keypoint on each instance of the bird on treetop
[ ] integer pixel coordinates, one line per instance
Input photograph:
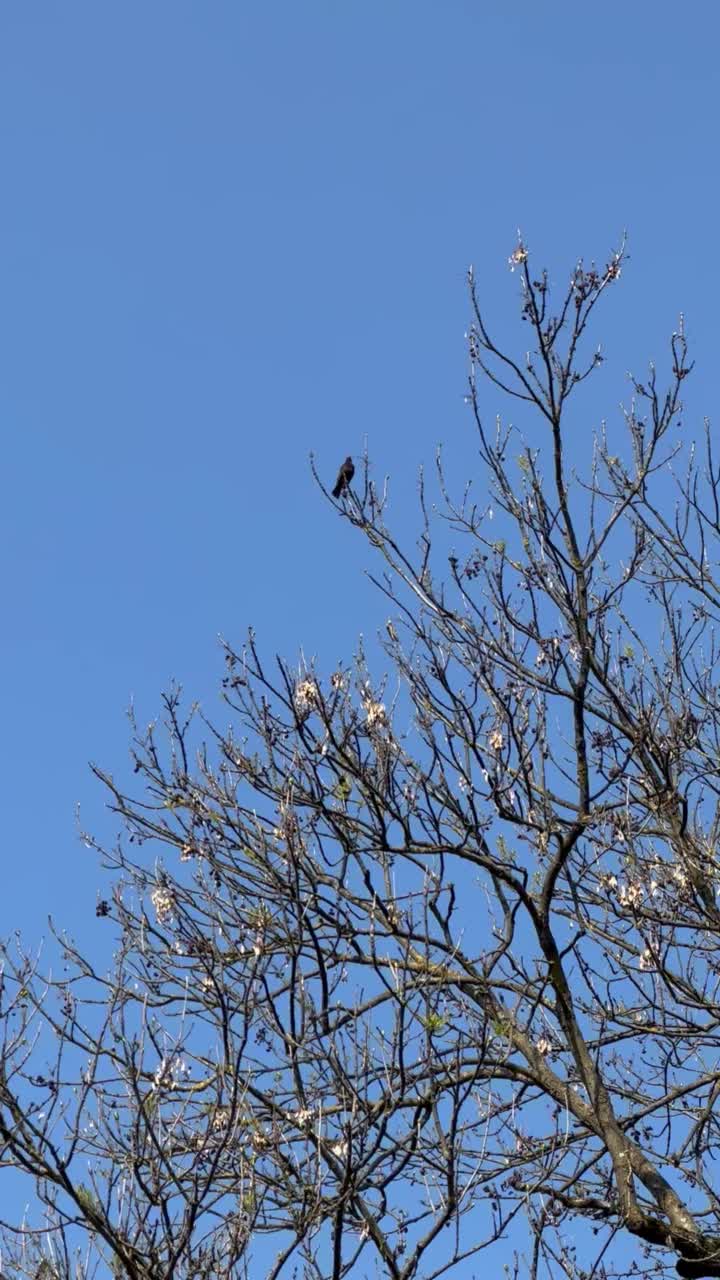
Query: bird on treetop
(345, 475)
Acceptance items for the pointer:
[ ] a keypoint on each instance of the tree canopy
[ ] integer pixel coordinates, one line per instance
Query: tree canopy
(419, 963)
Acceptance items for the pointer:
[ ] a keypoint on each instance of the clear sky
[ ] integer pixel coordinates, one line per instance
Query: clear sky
(232, 233)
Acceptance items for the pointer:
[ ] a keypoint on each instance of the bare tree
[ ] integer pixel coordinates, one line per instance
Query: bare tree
(413, 968)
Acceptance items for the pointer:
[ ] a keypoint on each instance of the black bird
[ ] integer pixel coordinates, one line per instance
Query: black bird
(345, 475)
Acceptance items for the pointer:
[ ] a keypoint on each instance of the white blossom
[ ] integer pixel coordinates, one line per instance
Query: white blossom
(169, 1072)
(376, 714)
(307, 695)
(630, 894)
(302, 1117)
(162, 901)
(518, 256)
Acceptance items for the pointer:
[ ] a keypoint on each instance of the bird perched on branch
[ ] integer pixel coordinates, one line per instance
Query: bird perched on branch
(345, 475)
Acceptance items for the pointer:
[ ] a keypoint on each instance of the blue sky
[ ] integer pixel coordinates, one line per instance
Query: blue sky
(233, 233)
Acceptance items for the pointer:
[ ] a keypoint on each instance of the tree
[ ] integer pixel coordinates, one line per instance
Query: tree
(401, 965)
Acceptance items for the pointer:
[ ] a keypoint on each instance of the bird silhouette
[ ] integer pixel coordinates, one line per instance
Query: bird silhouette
(345, 475)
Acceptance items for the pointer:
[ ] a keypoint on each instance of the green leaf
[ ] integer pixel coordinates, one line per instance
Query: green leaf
(343, 789)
